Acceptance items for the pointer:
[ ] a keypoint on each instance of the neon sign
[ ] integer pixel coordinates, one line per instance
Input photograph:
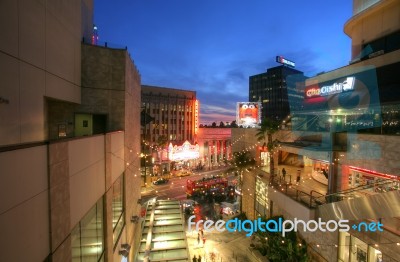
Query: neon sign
(196, 116)
(335, 88)
(284, 61)
(184, 152)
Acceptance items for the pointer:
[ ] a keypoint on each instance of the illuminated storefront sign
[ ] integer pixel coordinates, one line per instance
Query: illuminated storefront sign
(184, 152)
(196, 116)
(338, 87)
(284, 61)
(248, 114)
(374, 173)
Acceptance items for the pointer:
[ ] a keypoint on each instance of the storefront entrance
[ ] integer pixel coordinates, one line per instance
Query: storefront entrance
(352, 249)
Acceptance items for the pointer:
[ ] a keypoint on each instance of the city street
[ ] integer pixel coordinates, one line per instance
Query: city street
(176, 187)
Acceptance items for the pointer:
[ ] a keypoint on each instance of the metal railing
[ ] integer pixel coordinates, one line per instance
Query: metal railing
(350, 193)
(313, 198)
(307, 198)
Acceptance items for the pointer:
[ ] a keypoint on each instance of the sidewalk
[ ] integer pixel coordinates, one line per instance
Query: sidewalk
(226, 246)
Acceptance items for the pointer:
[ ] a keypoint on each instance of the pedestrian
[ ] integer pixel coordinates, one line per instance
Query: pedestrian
(204, 240)
(199, 259)
(195, 259)
(298, 176)
(283, 173)
(198, 238)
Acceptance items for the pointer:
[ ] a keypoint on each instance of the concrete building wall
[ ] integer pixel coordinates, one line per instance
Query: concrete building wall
(321, 245)
(117, 156)
(40, 57)
(373, 152)
(375, 20)
(60, 207)
(24, 208)
(86, 175)
(103, 84)
(249, 190)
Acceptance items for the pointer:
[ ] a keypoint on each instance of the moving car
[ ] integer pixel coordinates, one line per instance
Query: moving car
(160, 181)
(184, 173)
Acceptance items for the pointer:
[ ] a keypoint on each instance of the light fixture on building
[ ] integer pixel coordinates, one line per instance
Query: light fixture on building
(126, 247)
(135, 219)
(124, 251)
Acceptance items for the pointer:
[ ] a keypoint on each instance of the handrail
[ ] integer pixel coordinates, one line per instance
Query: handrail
(316, 198)
(295, 193)
(334, 197)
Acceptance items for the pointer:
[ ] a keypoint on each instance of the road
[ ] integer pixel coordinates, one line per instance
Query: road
(176, 187)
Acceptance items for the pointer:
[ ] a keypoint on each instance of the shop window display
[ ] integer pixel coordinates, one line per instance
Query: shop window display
(353, 249)
(372, 184)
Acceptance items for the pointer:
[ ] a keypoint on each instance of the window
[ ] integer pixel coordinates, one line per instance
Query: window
(118, 220)
(381, 46)
(87, 238)
(393, 42)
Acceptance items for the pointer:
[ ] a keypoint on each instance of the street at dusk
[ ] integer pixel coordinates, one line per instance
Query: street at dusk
(200, 131)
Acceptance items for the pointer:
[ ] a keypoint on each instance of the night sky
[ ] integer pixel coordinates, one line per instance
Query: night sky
(213, 46)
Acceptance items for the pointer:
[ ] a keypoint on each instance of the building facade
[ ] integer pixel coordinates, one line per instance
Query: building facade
(347, 130)
(270, 88)
(173, 112)
(215, 147)
(170, 117)
(68, 146)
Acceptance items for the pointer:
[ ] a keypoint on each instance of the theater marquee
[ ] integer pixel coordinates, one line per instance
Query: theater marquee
(184, 152)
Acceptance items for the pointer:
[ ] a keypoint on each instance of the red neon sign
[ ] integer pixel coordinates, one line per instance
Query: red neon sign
(375, 173)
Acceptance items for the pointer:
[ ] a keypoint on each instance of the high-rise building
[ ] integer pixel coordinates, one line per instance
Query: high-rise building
(270, 89)
(169, 118)
(69, 147)
(173, 113)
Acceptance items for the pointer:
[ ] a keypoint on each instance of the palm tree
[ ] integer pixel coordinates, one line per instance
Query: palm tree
(162, 141)
(241, 161)
(268, 128)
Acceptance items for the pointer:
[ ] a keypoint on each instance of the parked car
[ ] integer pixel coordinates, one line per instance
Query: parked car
(160, 181)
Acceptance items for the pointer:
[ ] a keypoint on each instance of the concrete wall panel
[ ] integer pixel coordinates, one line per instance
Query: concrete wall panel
(32, 86)
(32, 33)
(9, 27)
(9, 111)
(25, 230)
(87, 175)
(117, 155)
(297, 209)
(85, 152)
(23, 176)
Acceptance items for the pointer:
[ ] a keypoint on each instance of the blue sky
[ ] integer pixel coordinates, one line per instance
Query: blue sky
(213, 46)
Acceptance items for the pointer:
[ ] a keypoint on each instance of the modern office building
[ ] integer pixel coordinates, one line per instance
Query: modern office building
(270, 88)
(69, 147)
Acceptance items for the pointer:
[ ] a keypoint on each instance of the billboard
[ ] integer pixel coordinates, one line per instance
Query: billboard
(343, 100)
(284, 61)
(248, 114)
